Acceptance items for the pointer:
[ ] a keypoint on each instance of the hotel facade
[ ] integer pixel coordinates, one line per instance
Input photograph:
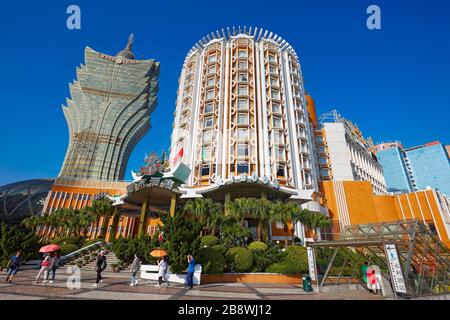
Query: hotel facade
(241, 115)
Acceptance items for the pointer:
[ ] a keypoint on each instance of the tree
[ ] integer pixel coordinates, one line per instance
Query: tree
(98, 208)
(294, 213)
(316, 220)
(280, 213)
(262, 212)
(241, 208)
(206, 211)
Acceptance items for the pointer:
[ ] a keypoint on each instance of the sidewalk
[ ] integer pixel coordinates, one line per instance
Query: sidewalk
(116, 287)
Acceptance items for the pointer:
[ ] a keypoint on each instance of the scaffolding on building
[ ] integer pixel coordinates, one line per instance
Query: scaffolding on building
(424, 259)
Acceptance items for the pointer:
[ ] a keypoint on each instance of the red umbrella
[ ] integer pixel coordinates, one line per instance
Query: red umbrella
(49, 248)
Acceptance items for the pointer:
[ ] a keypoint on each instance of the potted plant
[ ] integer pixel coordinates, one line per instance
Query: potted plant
(114, 267)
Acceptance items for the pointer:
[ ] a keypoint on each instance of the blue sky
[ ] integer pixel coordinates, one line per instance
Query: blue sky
(393, 83)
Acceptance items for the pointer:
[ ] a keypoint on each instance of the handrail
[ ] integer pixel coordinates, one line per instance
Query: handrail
(75, 253)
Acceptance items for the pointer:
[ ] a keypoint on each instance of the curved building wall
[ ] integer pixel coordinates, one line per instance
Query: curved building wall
(241, 110)
(24, 198)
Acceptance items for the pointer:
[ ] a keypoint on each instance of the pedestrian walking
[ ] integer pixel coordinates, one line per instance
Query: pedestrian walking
(162, 271)
(46, 266)
(135, 267)
(55, 265)
(190, 272)
(372, 281)
(13, 266)
(99, 267)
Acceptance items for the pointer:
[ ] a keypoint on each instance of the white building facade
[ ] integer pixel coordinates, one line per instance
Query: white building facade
(241, 114)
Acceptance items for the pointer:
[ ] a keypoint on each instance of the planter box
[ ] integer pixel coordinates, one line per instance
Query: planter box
(266, 278)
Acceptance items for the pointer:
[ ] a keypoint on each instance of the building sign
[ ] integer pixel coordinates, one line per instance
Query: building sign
(396, 269)
(311, 264)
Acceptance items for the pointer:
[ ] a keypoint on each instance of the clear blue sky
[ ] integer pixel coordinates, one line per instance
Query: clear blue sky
(393, 83)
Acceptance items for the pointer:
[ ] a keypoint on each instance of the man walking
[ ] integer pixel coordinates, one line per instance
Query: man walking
(190, 272)
(13, 266)
(99, 267)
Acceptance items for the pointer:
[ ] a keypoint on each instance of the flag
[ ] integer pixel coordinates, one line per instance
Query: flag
(178, 156)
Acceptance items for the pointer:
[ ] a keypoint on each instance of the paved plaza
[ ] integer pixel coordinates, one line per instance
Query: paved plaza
(116, 287)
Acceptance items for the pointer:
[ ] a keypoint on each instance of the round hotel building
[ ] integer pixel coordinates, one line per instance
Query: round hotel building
(241, 118)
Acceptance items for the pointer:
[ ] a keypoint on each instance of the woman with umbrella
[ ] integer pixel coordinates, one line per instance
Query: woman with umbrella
(162, 266)
(47, 263)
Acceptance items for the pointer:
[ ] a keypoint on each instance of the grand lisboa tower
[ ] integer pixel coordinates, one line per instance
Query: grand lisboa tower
(241, 116)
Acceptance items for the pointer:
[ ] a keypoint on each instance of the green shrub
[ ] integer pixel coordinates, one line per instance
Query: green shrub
(257, 246)
(221, 248)
(208, 241)
(211, 260)
(86, 258)
(263, 259)
(68, 248)
(15, 237)
(239, 259)
(67, 240)
(294, 262)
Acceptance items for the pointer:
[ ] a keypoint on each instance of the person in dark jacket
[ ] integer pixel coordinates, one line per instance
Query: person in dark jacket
(99, 267)
(13, 266)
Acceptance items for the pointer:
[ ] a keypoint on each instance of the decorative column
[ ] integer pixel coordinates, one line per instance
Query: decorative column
(143, 218)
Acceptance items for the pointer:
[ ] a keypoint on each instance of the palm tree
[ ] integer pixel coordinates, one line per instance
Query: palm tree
(262, 212)
(241, 208)
(98, 208)
(294, 213)
(214, 217)
(279, 214)
(316, 220)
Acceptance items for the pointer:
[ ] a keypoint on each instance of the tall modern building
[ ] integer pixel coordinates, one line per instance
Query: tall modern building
(107, 114)
(415, 168)
(344, 154)
(241, 115)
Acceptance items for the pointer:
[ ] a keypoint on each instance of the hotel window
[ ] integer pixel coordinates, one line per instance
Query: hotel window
(242, 167)
(275, 94)
(242, 53)
(278, 137)
(209, 107)
(324, 173)
(211, 81)
(272, 57)
(242, 134)
(276, 108)
(207, 136)
(280, 171)
(242, 118)
(242, 89)
(205, 170)
(323, 161)
(273, 81)
(276, 122)
(242, 150)
(319, 139)
(212, 69)
(279, 154)
(242, 104)
(212, 58)
(242, 76)
(208, 122)
(272, 69)
(206, 153)
(321, 150)
(209, 94)
(242, 65)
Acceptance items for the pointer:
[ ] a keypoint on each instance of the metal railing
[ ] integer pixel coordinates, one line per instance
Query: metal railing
(79, 251)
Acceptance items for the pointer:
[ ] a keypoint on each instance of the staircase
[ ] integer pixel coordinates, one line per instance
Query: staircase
(110, 259)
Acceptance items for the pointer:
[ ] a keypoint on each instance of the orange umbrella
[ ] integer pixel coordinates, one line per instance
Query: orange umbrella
(158, 253)
(49, 248)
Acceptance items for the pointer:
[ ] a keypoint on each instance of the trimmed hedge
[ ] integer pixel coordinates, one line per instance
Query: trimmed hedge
(295, 262)
(68, 248)
(240, 259)
(67, 240)
(221, 248)
(257, 246)
(211, 260)
(209, 241)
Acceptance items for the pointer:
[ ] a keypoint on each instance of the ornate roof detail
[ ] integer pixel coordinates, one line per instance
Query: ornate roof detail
(127, 53)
